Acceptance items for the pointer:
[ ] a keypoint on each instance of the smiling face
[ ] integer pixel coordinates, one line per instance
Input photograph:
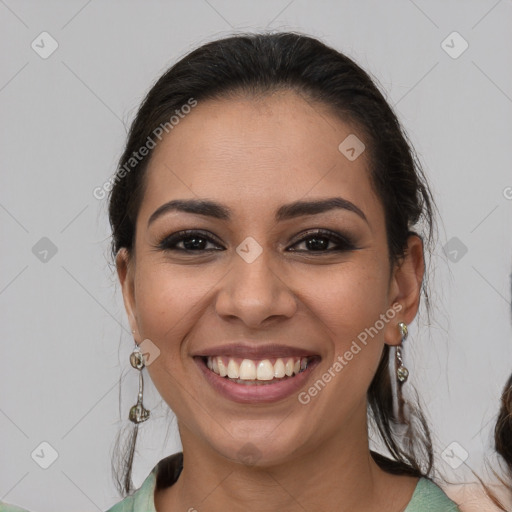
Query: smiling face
(258, 274)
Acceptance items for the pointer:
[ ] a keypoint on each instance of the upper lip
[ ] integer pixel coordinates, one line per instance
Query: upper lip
(267, 350)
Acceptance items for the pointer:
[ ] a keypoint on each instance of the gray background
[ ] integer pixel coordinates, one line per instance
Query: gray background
(65, 337)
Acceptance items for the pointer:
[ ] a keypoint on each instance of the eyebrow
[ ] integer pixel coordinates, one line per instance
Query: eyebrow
(285, 212)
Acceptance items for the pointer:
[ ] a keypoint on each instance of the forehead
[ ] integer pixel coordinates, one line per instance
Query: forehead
(256, 154)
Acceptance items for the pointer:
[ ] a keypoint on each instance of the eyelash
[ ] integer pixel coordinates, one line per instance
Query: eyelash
(344, 242)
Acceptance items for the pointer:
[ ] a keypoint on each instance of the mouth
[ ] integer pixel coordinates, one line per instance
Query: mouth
(252, 372)
(261, 380)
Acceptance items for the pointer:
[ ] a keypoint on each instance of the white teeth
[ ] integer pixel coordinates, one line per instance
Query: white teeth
(233, 369)
(265, 370)
(247, 370)
(279, 369)
(223, 371)
(250, 369)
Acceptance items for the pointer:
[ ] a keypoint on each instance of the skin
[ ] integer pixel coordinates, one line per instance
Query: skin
(254, 155)
(470, 497)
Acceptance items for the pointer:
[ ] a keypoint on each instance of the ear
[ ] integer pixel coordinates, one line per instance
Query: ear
(125, 271)
(405, 288)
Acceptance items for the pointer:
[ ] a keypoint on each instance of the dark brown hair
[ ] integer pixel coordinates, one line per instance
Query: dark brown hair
(257, 64)
(503, 429)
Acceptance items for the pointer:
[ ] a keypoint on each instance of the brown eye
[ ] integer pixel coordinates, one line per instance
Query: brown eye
(193, 241)
(319, 240)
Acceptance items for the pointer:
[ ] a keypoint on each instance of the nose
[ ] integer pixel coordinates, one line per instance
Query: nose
(255, 292)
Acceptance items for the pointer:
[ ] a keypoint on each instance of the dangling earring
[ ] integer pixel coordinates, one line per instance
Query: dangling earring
(402, 373)
(138, 413)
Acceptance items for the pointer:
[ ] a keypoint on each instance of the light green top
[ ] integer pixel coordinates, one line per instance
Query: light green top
(6, 507)
(427, 496)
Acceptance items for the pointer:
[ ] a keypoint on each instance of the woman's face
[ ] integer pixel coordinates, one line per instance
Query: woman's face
(258, 286)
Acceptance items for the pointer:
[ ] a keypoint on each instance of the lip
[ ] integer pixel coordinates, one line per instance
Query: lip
(246, 351)
(255, 394)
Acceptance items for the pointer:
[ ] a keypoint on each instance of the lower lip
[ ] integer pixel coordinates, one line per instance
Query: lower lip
(257, 393)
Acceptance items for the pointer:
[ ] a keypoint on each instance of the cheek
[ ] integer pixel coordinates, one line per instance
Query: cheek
(350, 311)
(167, 301)
(170, 303)
(351, 306)
(350, 300)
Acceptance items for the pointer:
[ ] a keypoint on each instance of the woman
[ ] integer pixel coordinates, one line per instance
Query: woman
(266, 220)
(263, 220)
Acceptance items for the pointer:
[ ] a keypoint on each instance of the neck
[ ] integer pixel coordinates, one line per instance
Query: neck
(339, 474)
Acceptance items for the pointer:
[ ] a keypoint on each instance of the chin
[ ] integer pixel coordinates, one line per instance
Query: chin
(258, 451)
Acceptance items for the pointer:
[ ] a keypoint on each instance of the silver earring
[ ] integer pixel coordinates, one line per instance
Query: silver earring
(402, 373)
(138, 413)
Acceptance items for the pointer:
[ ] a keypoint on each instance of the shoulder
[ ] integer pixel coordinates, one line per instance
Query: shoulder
(142, 500)
(429, 497)
(471, 497)
(163, 474)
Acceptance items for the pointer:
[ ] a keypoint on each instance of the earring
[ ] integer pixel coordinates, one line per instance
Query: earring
(402, 373)
(138, 413)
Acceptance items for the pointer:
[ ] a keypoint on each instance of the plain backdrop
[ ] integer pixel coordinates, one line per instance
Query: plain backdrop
(64, 333)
